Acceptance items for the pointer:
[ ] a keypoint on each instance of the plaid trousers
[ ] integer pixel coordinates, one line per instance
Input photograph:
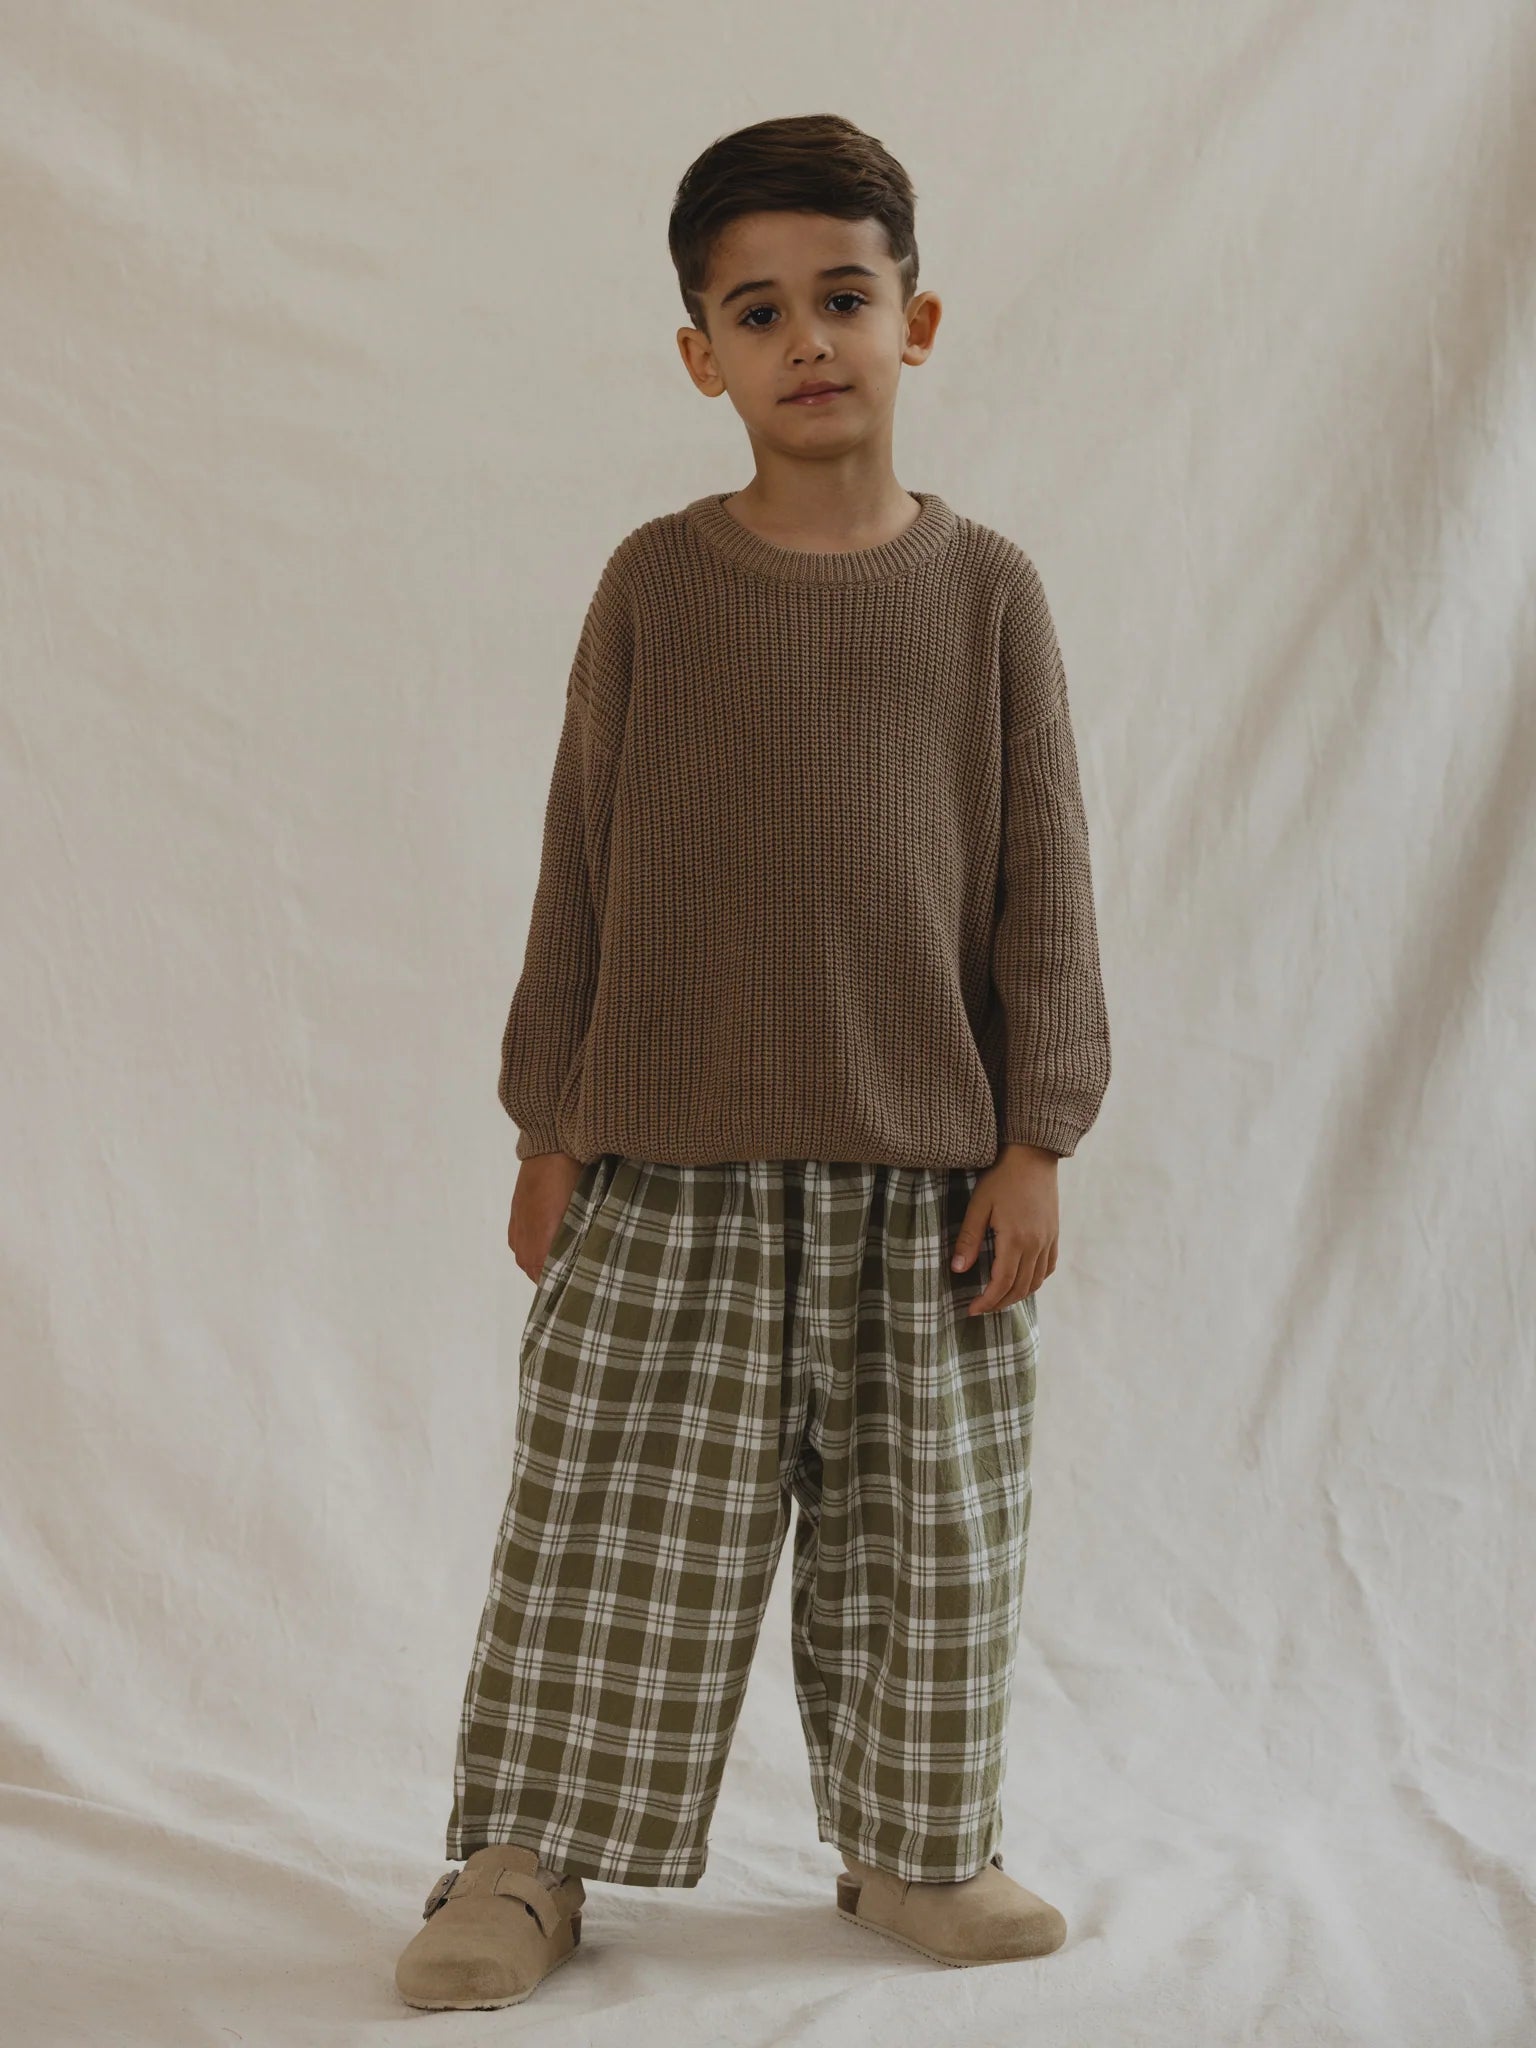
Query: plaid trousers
(706, 1344)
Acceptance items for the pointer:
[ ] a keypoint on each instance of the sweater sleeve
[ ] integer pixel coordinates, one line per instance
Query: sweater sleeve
(552, 1003)
(1045, 952)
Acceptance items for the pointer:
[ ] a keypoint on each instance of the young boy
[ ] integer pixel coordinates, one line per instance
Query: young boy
(810, 1010)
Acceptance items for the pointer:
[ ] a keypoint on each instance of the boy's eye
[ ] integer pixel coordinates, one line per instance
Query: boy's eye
(858, 299)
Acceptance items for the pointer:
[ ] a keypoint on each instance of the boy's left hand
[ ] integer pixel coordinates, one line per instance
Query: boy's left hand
(1016, 1199)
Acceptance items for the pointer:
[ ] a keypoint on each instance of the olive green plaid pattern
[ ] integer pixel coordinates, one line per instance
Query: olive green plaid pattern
(707, 1344)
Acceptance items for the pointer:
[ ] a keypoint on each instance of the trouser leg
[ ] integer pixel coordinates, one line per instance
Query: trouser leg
(642, 1528)
(912, 1494)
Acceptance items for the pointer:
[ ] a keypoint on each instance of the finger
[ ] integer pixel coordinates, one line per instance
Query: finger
(1028, 1280)
(1025, 1283)
(1005, 1266)
(968, 1238)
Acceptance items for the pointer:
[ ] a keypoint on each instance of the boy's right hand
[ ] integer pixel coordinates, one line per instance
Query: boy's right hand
(545, 1184)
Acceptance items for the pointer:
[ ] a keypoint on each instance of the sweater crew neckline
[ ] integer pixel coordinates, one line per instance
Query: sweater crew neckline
(932, 530)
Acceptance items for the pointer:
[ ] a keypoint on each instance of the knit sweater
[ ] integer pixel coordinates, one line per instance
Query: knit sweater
(814, 878)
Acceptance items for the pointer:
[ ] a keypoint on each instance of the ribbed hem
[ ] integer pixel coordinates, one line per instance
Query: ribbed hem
(932, 531)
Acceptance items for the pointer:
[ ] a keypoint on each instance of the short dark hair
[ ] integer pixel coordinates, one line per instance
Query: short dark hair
(818, 163)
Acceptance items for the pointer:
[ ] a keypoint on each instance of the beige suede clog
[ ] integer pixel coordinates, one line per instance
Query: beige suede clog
(497, 1924)
(988, 1918)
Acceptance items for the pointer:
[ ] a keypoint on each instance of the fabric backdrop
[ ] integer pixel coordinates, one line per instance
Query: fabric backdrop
(338, 353)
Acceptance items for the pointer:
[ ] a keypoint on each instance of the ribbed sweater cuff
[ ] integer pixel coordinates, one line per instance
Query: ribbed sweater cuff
(1050, 1137)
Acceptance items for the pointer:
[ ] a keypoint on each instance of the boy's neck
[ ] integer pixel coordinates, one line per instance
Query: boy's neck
(790, 520)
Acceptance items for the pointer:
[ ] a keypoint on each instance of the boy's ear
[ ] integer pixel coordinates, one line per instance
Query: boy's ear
(699, 361)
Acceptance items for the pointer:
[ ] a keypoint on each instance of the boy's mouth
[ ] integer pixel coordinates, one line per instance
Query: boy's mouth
(815, 394)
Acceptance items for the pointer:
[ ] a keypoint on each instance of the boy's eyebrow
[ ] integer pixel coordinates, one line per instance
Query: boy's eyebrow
(762, 284)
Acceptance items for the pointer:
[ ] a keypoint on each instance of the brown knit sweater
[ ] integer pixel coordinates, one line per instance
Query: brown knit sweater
(814, 880)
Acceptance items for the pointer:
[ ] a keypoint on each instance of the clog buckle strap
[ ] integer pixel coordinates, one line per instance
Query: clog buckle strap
(440, 1891)
(535, 1894)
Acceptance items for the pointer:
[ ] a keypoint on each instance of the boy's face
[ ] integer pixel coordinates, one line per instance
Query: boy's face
(778, 319)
